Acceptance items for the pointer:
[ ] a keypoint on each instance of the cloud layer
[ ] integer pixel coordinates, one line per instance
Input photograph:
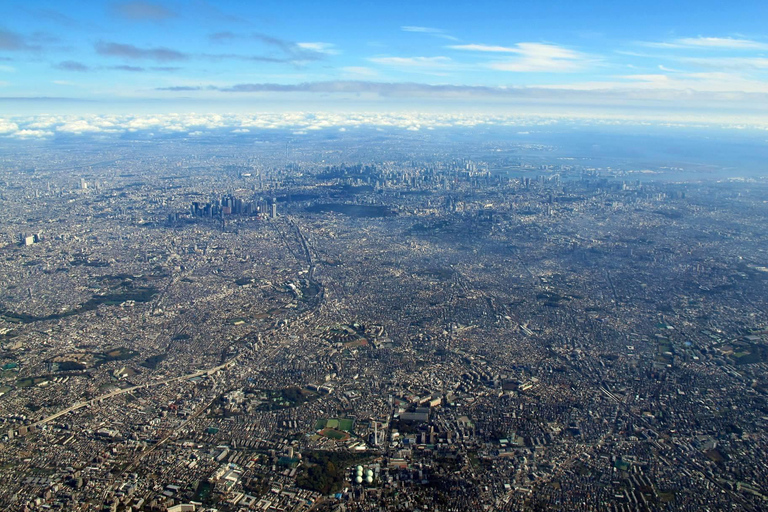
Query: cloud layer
(47, 126)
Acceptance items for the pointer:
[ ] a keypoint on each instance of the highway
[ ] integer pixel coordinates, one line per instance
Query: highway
(111, 394)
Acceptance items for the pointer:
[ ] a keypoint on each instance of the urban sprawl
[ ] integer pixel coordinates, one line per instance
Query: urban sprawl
(377, 327)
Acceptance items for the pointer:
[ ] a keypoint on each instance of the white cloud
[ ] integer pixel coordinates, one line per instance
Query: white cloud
(43, 121)
(434, 32)
(725, 43)
(726, 84)
(78, 127)
(720, 53)
(743, 63)
(327, 48)
(540, 57)
(484, 48)
(32, 134)
(655, 86)
(7, 126)
(416, 63)
(425, 30)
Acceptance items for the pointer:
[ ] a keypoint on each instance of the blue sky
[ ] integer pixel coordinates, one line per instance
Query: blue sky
(702, 58)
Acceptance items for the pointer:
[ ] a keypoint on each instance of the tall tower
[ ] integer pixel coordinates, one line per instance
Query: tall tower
(274, 207)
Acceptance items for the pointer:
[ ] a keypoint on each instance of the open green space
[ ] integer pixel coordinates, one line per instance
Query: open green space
(139, 294)
(324, 471)
(344, 424)
(81, 360)
(152, 361)
(273, 399)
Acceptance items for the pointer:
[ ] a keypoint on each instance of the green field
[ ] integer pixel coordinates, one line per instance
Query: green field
(284, 398)
(345, 424)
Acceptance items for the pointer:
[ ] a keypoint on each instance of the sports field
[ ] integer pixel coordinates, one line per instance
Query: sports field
(345, 424)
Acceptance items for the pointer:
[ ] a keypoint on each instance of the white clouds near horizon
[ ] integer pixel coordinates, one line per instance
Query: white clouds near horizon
(29, 127)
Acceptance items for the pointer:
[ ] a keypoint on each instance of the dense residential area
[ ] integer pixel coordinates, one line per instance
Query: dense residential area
(337, 325)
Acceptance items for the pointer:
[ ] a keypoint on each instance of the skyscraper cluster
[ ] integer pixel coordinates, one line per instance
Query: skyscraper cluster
(231, 205)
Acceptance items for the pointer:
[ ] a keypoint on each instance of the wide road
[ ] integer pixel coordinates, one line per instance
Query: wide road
(80, 405)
